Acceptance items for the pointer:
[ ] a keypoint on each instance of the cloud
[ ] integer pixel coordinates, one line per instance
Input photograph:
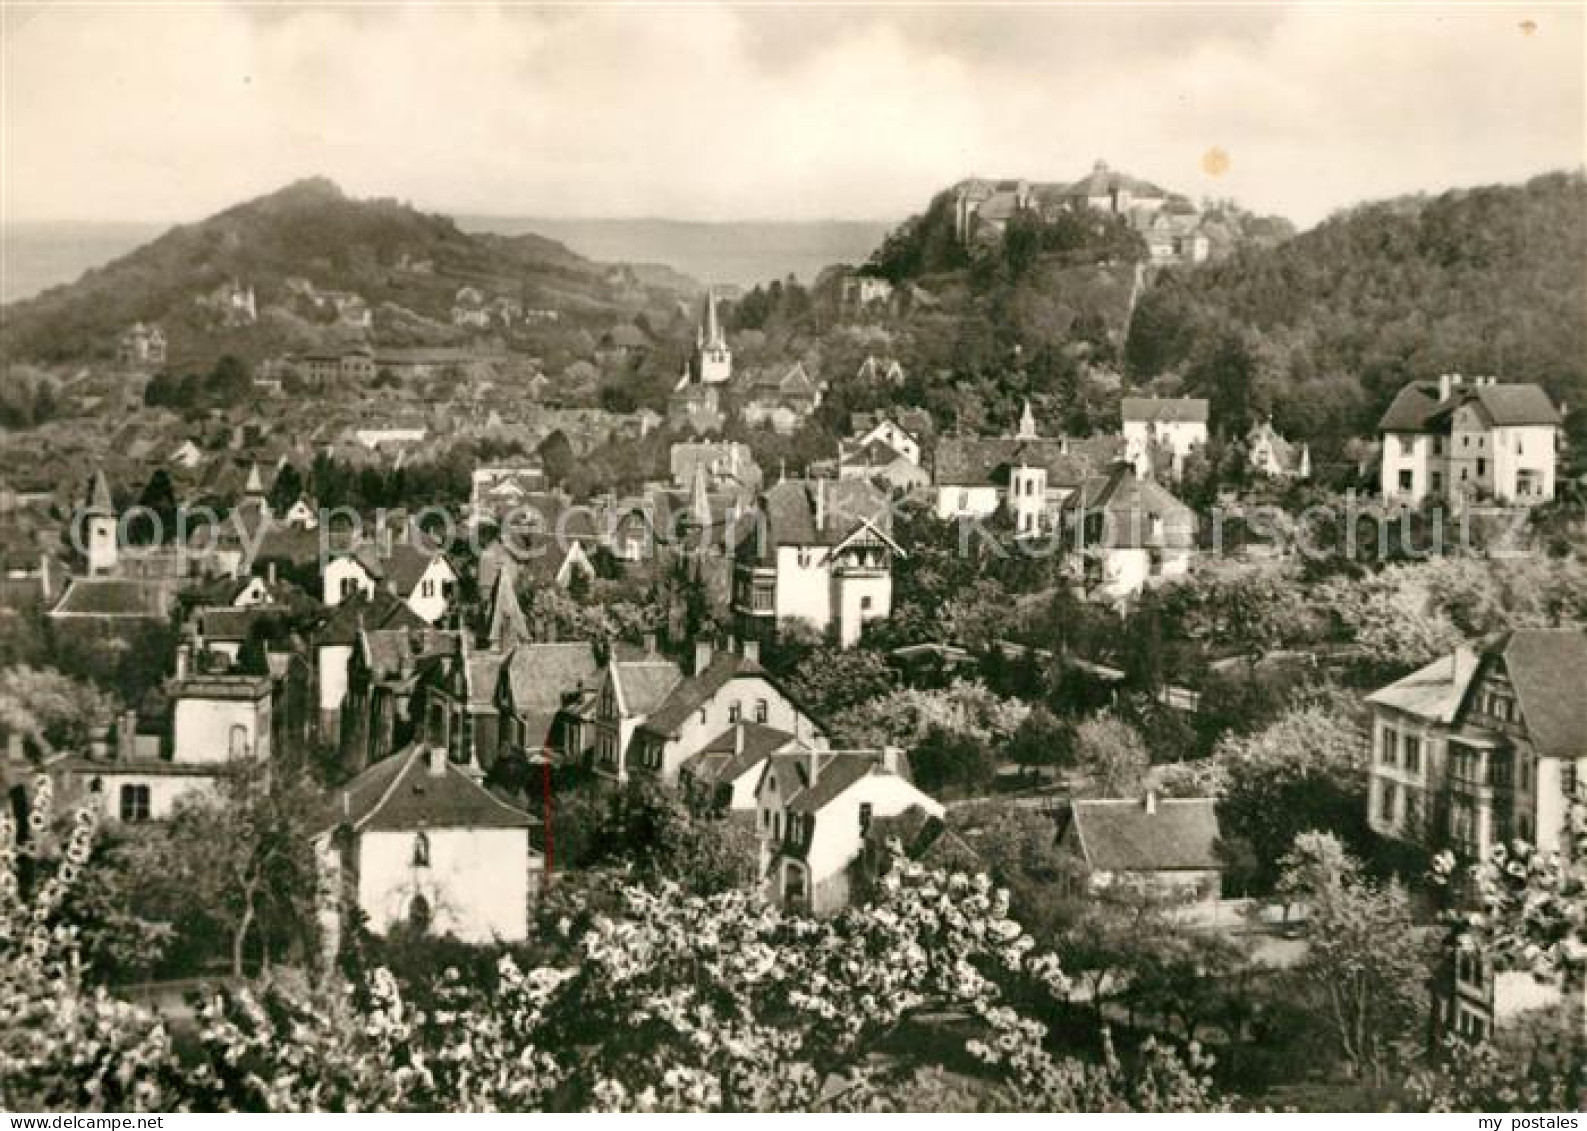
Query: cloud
(703, 112)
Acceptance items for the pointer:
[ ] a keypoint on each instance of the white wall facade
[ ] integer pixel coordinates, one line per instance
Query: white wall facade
(476, 883)
(429, 598)
(343, 577)
(215, 731)
(954, 501)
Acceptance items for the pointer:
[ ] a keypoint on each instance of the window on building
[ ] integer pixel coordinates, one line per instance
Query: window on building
(1391, 747)
(1482, 467)
(1407, 445)
(1413, 754)
(735, 711)
(421, 851)
(427, 588)
(866, 603)
(1405, 479)
(134, 803)
(762, 710)
(1438, 445)
(238, 745)
(349, 587)
(1386, 801)
(1437, 481)
(865, 816)
(1567, 778)
(964, 500)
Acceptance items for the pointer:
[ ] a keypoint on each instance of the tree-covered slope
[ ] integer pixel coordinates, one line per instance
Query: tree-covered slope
(1323, 329)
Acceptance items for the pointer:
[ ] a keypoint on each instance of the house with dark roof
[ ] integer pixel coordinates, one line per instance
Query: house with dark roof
(723, 690)
(1126, 533)
(334, 639)
(538, 682)
(782, 397)
(1162, 846)
(1482, 747)
(1461, 438)
(722, 777)
(631, 687)
(416, 841)
(819, 551)
(813, 809)
(417, 574)
(113, 599)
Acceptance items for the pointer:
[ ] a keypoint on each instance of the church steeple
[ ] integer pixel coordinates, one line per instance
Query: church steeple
(96, 525)
(1027, 423)
(713, 360)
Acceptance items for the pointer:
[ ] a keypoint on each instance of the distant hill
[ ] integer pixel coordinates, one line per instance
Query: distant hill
(738, 252)
(399, 262)
(1323, 329)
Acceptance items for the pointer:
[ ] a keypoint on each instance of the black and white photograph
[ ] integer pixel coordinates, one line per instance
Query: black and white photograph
(758, 557)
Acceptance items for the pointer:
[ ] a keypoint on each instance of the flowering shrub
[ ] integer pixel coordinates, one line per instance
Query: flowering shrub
(675, 1002)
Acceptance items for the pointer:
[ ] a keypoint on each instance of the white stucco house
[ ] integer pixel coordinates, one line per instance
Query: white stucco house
(813, 810)
(1177, 425)
(1126, 533)
(1460, 438)
(724, 690)
(423, 578)
(818, 551)
(416, 841)
(218, 724)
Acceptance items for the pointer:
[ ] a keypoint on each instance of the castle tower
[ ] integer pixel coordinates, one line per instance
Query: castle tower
(97, 524)
(713, 360)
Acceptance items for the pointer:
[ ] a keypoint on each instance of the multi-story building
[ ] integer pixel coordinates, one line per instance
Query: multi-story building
(1030, 474)
(818, 551)
(1478, 748)
(813, 809)
(1461, 438)
(1177, 425)
(1128, 532)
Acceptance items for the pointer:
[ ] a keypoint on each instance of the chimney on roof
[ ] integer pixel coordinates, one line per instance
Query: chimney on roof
(815, 763)
(99, 742)
(1149, 803)
(821, 505)
(892, 759)
(270, 572)
(650, 643)
(436, 760)
(47, 581)
(184, 659)
(347, 805)
(738, 739)
(750, 650)
(702, 654)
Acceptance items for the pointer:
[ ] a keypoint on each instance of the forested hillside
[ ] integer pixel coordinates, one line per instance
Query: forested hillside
(1324, 329)
(406, 265)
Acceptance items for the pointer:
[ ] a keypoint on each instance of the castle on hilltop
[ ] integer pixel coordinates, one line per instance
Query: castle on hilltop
(1170, 224)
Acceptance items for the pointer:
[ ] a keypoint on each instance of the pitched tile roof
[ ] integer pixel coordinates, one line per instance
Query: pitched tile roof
(112, 597)
(1548, 669)
(979, 461)
(736, 751)
(1164, 409)
(1417, 407)
(539, 675)
(1121, 836)
(401, 793)
(688, 695)
(642, 685)
(1433, 692)
(380, 610)
(837, 773)
(1137, 512)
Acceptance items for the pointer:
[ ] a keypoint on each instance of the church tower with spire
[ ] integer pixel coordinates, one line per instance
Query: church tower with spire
(713, 360)
(97, 524)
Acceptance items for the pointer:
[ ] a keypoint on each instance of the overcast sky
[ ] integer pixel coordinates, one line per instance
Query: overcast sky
(700, 112)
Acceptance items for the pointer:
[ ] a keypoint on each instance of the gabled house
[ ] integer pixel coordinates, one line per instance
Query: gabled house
(813, 810)
(723, 691)
(1178, 424)
(421, 577)
(1458, 438)
(631, 688)
(869, 427)
(721, 778)
(781, 398)
(537, 685)
(1271, 455)
(1165, 847)
(334, 639)
(1479, 748)
(415, 841)
(1127, 533)
(818, 551)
